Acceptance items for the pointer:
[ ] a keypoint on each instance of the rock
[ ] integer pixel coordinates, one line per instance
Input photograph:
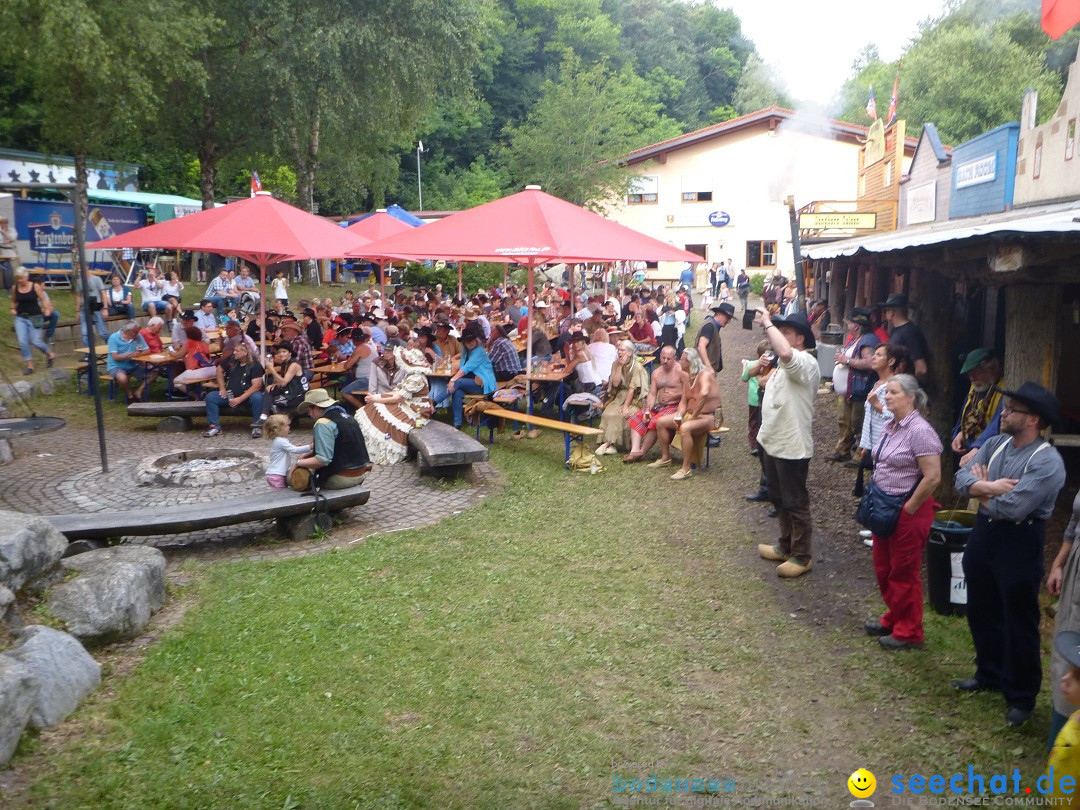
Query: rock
(59, 374)
(45, 387)
(174, 424)
(116, 592)
(29, 547)
(6, 456)
(7, 598)
(65, 672)
(18, 693)
(12, 393)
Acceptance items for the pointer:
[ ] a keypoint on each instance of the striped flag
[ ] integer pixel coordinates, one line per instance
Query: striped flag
(256, 183)
(871, 105)
(892, 101)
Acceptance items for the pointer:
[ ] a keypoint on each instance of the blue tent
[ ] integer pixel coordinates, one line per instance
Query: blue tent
(397, 212)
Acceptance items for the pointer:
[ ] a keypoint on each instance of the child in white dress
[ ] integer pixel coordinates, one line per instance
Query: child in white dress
(281, 450)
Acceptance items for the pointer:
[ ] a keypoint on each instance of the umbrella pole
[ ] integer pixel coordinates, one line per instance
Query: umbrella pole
(262, 313)
(607, 272)
(529, 327)
(460, 292)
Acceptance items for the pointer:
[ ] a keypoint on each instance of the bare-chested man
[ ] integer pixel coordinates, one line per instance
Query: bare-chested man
(694, 415)
(665, 393)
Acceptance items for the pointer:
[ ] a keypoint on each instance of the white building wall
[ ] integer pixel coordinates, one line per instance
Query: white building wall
(751, 173)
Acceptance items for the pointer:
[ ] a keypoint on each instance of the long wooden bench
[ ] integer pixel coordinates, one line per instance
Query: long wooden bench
(444, 450)
(568, 428)
(295, 513)
(176, 416)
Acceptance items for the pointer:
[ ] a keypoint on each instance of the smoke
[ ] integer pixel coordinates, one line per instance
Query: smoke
(799, 172)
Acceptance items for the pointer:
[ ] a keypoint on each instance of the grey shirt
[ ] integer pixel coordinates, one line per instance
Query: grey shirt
(1041, 476)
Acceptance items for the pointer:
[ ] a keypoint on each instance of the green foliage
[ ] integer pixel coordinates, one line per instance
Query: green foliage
(582, 124)
(968, 80)
(757, 283)
(758, 88)
(473, 276)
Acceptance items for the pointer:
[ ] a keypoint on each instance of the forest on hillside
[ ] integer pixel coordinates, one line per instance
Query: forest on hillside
(329, 100)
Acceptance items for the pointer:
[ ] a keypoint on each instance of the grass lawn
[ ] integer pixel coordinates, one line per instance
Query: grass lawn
(512, 655)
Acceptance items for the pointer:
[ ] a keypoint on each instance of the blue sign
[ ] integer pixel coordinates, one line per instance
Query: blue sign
(719, 218)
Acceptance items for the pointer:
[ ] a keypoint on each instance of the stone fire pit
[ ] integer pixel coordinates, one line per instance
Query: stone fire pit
(199, 468)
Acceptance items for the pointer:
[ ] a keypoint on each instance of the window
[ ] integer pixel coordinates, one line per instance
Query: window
(700, 250)
(696, 189)
(761, 254)
(643, 190)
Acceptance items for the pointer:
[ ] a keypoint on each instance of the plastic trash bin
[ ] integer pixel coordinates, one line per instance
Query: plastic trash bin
(832, 338)
(945, 583)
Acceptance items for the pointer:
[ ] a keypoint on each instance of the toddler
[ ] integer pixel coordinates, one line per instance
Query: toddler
(281, 449)
(1065, 755)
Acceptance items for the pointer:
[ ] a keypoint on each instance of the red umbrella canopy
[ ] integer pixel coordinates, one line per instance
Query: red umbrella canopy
(260, 229)
(379, 225)
(530, 227)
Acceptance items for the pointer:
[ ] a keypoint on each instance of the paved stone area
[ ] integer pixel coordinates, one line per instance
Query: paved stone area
(60, 473)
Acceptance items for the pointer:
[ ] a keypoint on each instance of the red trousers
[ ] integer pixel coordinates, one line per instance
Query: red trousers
(897, 564)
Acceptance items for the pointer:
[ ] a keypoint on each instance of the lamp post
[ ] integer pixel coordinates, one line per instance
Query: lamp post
(419, 184)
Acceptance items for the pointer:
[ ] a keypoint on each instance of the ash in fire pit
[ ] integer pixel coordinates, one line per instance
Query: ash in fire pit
(199, 468)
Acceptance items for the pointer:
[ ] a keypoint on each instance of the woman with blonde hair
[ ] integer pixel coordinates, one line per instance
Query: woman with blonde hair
(626, 389)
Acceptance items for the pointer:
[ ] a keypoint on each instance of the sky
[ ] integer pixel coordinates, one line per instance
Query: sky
(812, 45)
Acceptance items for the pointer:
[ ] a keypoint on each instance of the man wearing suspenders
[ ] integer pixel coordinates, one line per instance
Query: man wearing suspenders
(1016, 477)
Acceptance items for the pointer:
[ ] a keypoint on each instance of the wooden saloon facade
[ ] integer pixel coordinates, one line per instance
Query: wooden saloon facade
(988, 253)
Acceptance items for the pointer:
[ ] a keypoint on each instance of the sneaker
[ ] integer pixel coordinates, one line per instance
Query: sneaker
(256, 432)
(213, 431)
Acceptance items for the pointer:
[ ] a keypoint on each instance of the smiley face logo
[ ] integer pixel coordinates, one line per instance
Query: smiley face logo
(861, 784)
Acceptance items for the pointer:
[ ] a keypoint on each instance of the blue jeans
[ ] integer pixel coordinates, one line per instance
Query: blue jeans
(215, 402)
(99, 325)
(50, 325)
(466, 385)
(128, 310)
(220, 301)
(28, 335)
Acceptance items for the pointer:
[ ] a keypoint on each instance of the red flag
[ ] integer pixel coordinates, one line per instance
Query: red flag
(1058, 16)
(892, 101)
(256, 183)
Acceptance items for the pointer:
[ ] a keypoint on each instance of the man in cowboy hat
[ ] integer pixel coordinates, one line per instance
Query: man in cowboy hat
(905, 333)
(1016, 477)
(980, 418)
(708, 339)
(786, 440)
(339, 457)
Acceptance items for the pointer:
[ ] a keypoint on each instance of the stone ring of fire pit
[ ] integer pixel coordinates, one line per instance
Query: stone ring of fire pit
(199, 468)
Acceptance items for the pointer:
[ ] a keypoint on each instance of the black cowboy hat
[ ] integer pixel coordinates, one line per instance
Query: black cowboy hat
(798, 322)
(895, 301)
(724, 308)
(1039, 399)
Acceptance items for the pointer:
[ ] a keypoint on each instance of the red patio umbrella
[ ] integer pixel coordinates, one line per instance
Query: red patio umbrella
(379, 225)
(1058, 16)
(528, 228)
(260, 229)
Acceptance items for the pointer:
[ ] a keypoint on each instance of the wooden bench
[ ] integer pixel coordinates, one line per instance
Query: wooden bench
(568, 428)
(444, 450)
(176, 416)
(294, 511)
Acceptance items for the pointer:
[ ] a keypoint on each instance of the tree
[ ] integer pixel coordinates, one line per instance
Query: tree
(967, 80)
(870, 72)
(582, 125)
(758, 88)
(98, 67)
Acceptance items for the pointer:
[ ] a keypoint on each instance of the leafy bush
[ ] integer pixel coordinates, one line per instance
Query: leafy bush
(757, 283)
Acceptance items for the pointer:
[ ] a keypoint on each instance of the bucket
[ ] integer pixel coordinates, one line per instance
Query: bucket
(945, 582)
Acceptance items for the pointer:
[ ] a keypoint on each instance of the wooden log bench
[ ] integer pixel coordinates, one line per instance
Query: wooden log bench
(444, 450)
(176, 416)
(568, 428)
(295, 512)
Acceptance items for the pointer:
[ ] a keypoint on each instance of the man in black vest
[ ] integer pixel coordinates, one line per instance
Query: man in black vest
(340, 458)
(708, 341)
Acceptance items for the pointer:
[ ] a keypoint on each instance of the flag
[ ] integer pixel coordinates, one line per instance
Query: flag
(256, 183)
(892, 101)
(1058, 16)
(871, 105)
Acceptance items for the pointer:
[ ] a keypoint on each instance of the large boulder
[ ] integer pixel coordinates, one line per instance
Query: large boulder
(64, 670)
(116, 592)
(18, 693)
(29, 547)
